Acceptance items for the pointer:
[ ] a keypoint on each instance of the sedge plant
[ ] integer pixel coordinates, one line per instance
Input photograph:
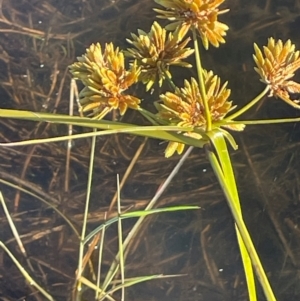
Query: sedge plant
(197, 113)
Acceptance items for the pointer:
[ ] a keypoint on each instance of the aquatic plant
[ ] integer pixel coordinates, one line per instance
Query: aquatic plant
(106, 80)
(277, 68)
(198, 114)
(155, 52)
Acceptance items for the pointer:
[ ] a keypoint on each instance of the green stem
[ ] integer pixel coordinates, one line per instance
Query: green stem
(218, 140)
(242, 228)
(30, 280)
(225, 122)
(85, 217)
(249, 105)
(201, 82)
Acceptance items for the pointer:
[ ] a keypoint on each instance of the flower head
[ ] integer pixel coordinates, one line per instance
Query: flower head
(199, 14)
(105, 79)
(276, 67)
(155, 52)
(185, 107)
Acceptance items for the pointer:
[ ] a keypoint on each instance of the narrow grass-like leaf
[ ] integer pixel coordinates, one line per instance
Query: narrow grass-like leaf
(136, 214)
(134, 281)
(120, 239)
(45, 202)
(220, 146)
(158, 132)
(24, 273)
(12, 226)
(127, 283)
(114, 266)
(223, 170)
(87, 202)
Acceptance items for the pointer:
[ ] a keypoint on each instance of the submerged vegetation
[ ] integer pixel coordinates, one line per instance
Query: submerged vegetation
(135, 89)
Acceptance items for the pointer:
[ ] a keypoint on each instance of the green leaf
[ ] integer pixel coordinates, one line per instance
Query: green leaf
(221, 163)
(168, 133)
(217, 138)
(136, 214)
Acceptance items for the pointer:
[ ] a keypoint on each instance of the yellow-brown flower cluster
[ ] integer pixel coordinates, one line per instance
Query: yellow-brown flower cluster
(276, 68)
(199, 14)
(105, 79)
(185, 107)
(155, 52)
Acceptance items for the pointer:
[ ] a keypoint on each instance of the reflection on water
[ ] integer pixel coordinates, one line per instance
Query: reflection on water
(39, 40)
